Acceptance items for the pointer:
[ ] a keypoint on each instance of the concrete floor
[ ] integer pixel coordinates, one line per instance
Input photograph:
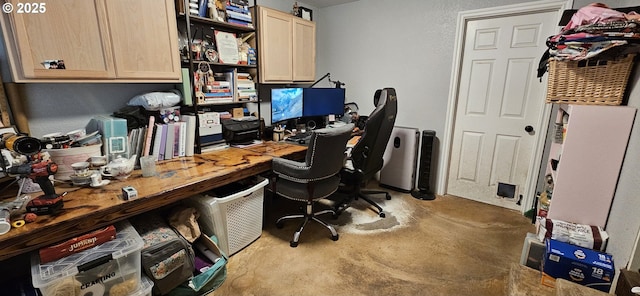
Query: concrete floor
(449, 246)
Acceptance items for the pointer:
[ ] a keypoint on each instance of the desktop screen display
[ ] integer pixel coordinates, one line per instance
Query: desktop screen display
(286, 103)
(323, 101)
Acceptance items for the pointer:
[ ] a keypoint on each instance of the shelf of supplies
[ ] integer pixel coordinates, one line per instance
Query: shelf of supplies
(239, 66)
(217, 24)
(219, 103)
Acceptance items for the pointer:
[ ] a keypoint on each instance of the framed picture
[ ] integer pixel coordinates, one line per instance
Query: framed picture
(305, 13)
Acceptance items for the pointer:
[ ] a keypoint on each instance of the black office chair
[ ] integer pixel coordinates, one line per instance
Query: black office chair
(315, 178)
(366, 156)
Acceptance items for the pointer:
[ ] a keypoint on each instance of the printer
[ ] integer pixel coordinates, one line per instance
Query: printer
(241, 130)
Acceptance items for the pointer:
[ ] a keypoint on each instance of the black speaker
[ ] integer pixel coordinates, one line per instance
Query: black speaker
(424, 191)
(311, 123)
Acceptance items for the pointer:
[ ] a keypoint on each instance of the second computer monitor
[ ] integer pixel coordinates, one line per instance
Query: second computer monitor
(323, 101)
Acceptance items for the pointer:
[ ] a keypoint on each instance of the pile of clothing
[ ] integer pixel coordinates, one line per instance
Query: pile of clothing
(594, 30)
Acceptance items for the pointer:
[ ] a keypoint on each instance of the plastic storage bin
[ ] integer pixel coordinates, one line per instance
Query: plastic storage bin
(236, 218)
(146, 286)
(112, 268)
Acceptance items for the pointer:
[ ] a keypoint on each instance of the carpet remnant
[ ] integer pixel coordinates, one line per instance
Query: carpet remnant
(360, 218)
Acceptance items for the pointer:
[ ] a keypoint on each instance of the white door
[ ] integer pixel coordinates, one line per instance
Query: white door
(499, 99)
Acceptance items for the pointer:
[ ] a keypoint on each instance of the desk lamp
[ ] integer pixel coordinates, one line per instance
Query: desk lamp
(338, 83)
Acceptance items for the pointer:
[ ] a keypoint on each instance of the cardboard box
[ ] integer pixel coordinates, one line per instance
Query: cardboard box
(237, 112)
(577, 264)
(114, 135)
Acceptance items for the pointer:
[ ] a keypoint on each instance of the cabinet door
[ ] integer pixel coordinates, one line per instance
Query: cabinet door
(71, 30)
(276, 45)
(144, 38)
(304, 50)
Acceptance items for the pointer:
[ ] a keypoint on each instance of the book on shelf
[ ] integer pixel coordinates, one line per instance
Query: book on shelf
(176, 139)
(139, 142)
(220, 83)
(185, 87)
(210, 101)
(182, 138)
(239, 16)
(193, 7)
(170, 140)
(131, 140)
(240, 23)
(203, 8)
(156, 140)
(245, 87)
(238, 2)
(218, 94)
(163, 141)
(237, 8)
(149, 136)
(190, 140)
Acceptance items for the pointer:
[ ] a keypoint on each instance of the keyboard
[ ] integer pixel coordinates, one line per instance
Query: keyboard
(300, 136)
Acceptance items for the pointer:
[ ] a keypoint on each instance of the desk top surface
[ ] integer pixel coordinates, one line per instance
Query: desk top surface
(87, 208)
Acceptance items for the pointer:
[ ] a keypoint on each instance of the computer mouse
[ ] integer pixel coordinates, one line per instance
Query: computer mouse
(302, 141)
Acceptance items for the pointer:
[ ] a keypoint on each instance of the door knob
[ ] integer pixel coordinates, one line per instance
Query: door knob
(528, 128)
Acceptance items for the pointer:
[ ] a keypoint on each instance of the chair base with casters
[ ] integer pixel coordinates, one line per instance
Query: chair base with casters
(297, 191)
(308, 215)
(358, 193)
(364, 195)
(316, 178)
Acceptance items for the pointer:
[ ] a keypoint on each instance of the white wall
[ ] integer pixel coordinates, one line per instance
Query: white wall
(63, 107)
(370, 44)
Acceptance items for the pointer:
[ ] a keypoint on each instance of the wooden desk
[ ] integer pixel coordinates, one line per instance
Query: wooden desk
(86, 209)
(280, 149)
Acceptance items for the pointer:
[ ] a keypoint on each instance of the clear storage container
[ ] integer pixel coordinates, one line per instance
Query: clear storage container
(112, 268)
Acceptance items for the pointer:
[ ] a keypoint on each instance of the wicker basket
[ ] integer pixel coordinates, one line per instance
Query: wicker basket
(589, 82)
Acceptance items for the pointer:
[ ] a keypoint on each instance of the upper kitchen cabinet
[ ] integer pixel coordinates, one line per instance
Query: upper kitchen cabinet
(144, 39)
(92, 41)
(287, 47)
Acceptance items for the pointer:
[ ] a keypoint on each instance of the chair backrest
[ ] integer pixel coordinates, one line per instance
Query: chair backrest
(367, 154)
(326, 151)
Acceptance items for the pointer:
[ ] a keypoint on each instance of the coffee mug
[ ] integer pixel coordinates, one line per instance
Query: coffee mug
(98, 161)
(96, 179)
(80, 168)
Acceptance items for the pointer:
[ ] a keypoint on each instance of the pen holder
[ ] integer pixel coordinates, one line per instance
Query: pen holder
(278, 135)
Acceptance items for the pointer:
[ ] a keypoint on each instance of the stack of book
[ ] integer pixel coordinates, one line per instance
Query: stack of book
(219, 89)
(164, 140)
(173, 139)
(246, 88)
(137, 138)
(238, 14)
(196, 7)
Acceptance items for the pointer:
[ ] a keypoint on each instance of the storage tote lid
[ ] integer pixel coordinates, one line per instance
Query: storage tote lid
(127, 241)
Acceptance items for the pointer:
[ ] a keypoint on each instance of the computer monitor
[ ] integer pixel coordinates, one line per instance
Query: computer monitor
(286, 103)
(323, 101)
